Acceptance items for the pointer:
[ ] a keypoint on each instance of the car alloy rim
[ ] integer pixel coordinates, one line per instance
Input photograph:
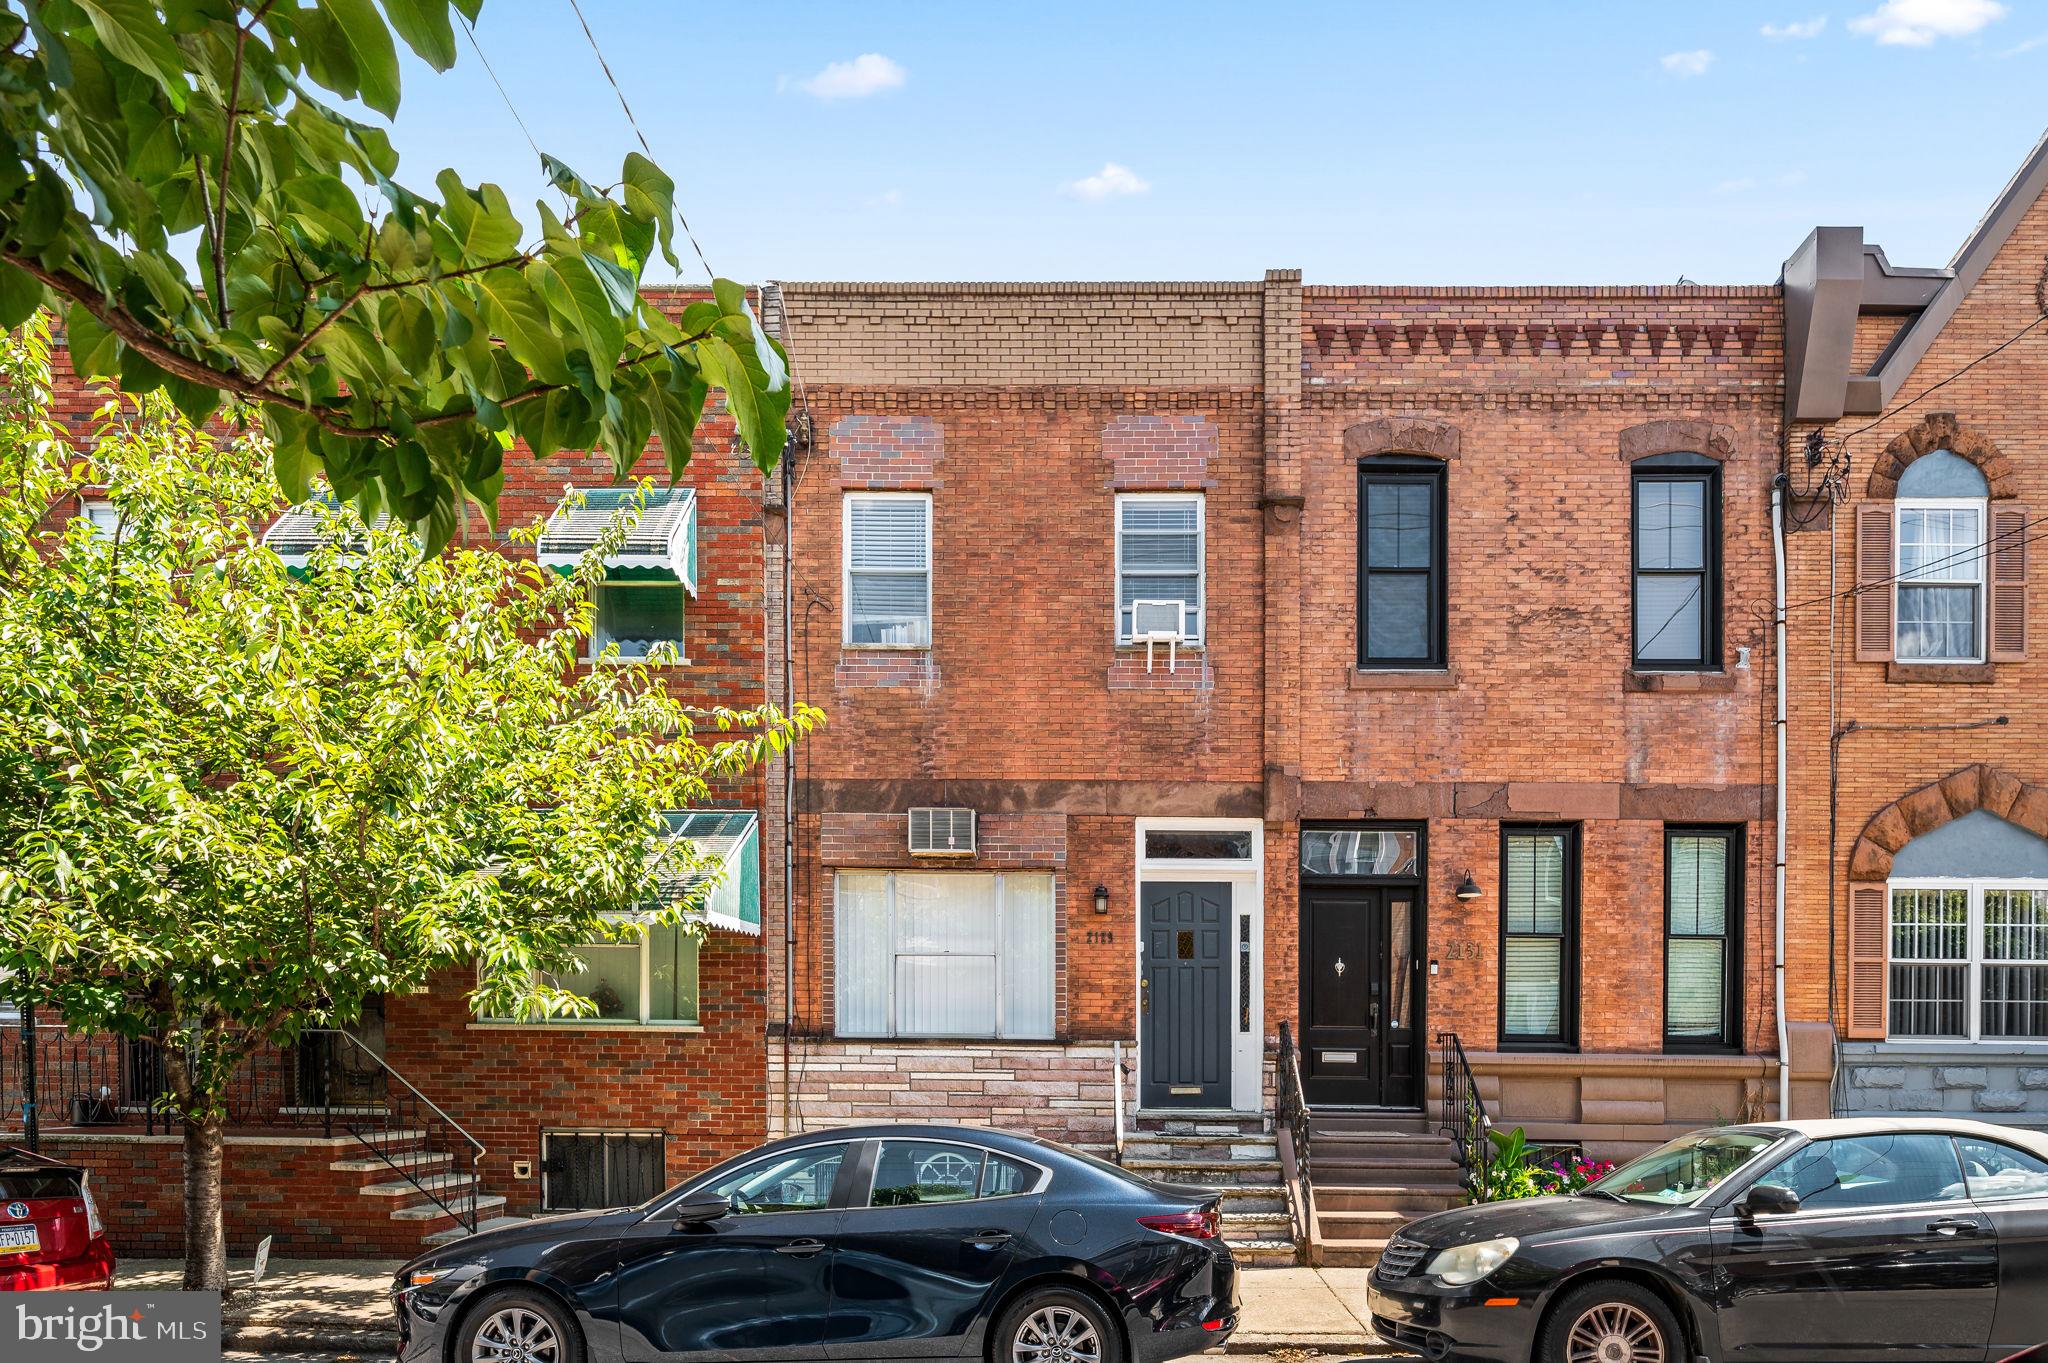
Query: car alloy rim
(516, 1335)
(1615, 1332)
(1056, 1334)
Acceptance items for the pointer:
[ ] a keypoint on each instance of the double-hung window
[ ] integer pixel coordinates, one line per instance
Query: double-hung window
(1676, 517)
(944, 954)
(1702, 937)
(1159, 558)
(1401, 563)
(1942, 511)
(888, 594)
(1539, 936)
(1969, 960)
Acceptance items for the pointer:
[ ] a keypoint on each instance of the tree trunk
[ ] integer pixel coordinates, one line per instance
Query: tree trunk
(206, 1248)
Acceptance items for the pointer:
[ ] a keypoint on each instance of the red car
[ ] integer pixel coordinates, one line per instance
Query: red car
(50, 1232)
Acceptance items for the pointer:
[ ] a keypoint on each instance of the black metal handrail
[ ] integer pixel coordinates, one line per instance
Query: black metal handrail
(402, 1121)
(1464, 1116)
(1293, 1113)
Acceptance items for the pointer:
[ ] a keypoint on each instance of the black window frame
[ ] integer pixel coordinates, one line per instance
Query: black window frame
(1410, 471)
(1730, 1039)
(1678, 468)
(1567, 1038)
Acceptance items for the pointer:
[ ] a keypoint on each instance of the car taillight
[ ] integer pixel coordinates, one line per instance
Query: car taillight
(1202, 1225)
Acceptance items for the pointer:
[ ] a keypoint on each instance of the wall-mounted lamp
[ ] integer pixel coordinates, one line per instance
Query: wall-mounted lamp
(1102, 899)
(1468, 888)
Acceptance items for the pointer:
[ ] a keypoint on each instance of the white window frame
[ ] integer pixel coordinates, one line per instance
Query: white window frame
(594, 646)
(642, 1023)
(1973, 961)
(846, 570)
(90, 509)
(1979, 555)
(895, 1033)
(1247, 881)
(1197, 619)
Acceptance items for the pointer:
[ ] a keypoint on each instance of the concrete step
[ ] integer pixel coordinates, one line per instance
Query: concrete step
(454, 1233)
(428, 1211)
(1412, 1201)
(404, 1159)
(1351, 1253)
(1403, 1167)
(1322, 1122)
(1151, 1147)
(441, 1184)
(1383, 1140)
(1169, 1123)
(1257, 1200)
(1358, 1225)
(1264, 1253)
(1210, 1173)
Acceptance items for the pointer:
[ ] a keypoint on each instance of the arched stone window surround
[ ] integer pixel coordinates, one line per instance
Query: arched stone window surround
(1403, 435)
(1941, 431)
(1678, 435)
(1979, 786)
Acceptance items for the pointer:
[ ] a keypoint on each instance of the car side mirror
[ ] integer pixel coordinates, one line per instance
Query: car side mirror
(698, 1208)
(1767, 1199)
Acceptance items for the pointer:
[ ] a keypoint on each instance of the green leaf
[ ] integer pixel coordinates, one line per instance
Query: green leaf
(573, 293)
(370, 46)
(134, 32)
(678, 407)
(758, 414)
(324, 202)
(651, 194)
(20, 296)
(425, 26)
(93, 347)
(519, 319)
(481, 225)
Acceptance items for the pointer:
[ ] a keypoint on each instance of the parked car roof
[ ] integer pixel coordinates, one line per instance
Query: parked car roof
(1832, 1128)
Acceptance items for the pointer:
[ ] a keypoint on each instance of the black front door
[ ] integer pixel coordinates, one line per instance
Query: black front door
(1360, 978)
(1184, 996)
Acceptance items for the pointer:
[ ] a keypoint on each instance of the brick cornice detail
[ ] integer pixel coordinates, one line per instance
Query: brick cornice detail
(1963, 791)
(1402, 435)
(1940, 431)
(1678, 435)
(1688, 399)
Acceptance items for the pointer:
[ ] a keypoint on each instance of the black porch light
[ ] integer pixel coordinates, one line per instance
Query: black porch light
(1468, 888)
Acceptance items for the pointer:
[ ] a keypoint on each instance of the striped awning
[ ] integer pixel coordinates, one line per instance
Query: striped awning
(726, 847)
(663, 543)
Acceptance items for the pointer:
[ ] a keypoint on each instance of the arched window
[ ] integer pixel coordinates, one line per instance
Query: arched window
(1941, 511)
(1969, 933)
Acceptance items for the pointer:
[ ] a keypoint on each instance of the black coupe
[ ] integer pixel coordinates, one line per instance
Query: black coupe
(1846, 1241)
(865, 1243)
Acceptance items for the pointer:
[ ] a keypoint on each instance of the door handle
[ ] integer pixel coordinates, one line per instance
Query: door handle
(988, 1238)
(1145, 994)
(1953, 1227)
(1373, 1017)
(802, 1249)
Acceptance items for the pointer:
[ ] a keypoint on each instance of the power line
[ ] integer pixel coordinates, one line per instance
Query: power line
(476, 47)
(606, 67)
(1926, 392)
(1984, 550)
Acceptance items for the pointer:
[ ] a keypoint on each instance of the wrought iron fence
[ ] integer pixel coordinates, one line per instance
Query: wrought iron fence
(1464, 1117)
(1291, 1108)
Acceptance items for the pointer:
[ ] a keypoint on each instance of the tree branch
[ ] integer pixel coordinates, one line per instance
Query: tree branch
(363, 291)
(227, 160)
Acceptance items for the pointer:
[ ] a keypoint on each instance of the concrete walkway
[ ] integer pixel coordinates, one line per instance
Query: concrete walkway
(339, 1306)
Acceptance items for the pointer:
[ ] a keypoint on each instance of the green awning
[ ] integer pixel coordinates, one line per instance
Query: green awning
(661, 545)
(727, 848)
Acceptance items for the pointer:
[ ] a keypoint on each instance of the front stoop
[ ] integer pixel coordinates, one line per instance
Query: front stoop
(408, 1192)
(1237, 1157)
(1374, 1172)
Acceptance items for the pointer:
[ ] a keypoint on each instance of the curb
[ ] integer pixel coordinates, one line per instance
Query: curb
(310, 1335)
(1340, 1346)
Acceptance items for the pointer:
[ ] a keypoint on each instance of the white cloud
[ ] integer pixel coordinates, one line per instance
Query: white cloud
(2028, 46)
(868, 74)
(1810, 28)
(1917, 23)
(888, 198)
(1694, 63)
(1111, 182)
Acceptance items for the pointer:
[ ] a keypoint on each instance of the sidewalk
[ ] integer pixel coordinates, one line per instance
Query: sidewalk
(339, 1306)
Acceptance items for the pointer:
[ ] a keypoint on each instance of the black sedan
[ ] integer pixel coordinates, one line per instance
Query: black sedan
(871, 1242)
(1849, 1240)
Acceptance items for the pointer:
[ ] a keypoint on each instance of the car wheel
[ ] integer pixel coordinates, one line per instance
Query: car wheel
(1612, 1322)
(1055, 1325)
(518, 1326)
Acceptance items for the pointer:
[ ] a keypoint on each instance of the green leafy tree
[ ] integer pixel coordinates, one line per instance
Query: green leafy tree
(398, 349)
(238, 800)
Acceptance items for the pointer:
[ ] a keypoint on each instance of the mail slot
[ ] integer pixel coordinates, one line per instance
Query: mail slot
(1338, 1057)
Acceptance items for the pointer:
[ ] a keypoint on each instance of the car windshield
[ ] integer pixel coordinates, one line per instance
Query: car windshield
(1681, 1172)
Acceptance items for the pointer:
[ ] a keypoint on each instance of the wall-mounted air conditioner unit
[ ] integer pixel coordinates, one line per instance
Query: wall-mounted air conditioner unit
(1159, 622)
(941, 832)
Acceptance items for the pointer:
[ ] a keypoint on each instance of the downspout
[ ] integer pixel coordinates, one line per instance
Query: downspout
(1778, 895)
(788, 784)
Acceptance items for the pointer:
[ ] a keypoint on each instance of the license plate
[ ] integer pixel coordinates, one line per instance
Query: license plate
(18, 1240)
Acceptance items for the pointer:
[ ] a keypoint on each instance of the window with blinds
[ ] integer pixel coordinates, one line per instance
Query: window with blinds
(1969, 960)
(1702, 882)
(888, 588)
(1676, 503)
(1539, 913)
(944, 954)
(1159, 557)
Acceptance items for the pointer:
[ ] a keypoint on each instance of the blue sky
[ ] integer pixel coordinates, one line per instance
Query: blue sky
(1419, 143)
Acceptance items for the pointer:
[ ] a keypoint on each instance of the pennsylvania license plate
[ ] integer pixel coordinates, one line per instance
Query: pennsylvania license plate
(18, 1240)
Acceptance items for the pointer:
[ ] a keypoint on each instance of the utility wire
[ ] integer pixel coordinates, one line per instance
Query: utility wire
(606, 67)
(1985, 550)
(476, 47)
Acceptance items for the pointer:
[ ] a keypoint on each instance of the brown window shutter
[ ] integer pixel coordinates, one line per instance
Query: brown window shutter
(2009, 531)
(1869, 961)
(1873, 585)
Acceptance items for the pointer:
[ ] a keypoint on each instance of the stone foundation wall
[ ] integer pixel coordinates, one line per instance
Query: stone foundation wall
(1063, 1091)
(2003, 1084)
(1618, 1106)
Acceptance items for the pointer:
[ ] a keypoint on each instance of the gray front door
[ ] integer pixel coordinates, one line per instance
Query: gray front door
(1184, 996)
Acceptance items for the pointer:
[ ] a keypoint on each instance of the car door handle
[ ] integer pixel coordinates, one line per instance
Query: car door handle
(987, 1237)
(802, 1249)
(1953, 1227)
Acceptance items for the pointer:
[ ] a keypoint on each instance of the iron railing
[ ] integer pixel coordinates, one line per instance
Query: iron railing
(1119, 1070)
(1464, 1117)
(327, 1080)
(1291, 1109)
